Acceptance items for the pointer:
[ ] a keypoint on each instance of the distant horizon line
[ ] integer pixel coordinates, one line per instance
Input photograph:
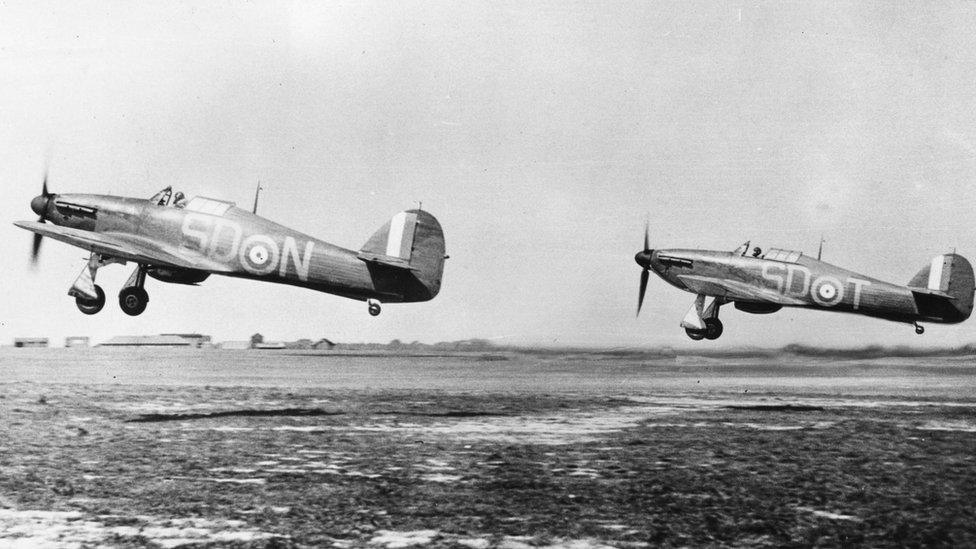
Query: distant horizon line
(481, 344)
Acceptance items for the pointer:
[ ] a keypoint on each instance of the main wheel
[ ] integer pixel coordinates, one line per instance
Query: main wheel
(696, 335)
(133, 300)
(374, 309)
(91, 306)
(713, 328)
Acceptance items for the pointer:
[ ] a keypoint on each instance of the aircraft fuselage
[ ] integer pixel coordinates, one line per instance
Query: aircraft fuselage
(802, 282)
(402, 262)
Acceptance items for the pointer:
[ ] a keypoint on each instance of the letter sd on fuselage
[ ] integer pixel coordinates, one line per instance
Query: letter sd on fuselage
(223, 240)
(825, 290)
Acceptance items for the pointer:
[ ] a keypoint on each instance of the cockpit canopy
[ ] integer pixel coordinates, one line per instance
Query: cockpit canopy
(774, 254)
(208, 205)
(786, 256)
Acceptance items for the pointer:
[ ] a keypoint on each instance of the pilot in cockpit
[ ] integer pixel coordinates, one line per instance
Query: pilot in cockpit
(179, 200)
(757, 252)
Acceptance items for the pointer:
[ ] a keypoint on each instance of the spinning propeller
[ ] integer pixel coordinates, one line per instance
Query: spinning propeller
(39, 205)
(643, 259)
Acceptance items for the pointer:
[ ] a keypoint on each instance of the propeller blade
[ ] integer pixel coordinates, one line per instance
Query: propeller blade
(647, 237)
(36, 246)
(35, 250)
(643, 289)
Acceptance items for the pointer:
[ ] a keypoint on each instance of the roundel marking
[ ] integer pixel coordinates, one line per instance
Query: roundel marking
(259, 254)
(827, 291)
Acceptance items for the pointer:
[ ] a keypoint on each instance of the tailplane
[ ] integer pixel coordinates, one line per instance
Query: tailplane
(944, 289)
(406, 256)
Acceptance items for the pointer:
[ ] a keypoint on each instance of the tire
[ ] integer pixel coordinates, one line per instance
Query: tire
(374, 309)
(713, 328)
(133, 300)
(696, 335)
(91, 306)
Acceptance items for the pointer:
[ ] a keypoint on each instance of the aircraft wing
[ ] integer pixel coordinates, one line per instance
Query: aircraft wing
(124, 246)
(735, 290)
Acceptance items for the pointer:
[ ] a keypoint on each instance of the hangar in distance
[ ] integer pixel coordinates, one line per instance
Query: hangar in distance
(758, 283)
(185, 241)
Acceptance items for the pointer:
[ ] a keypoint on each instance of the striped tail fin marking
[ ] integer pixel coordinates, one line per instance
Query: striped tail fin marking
(939, 274)
(399, 241)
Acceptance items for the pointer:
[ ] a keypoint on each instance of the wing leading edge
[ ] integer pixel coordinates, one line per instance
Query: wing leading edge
(125, 246)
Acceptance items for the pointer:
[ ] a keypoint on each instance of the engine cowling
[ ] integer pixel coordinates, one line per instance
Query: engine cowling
(757, 308)
(177, 276)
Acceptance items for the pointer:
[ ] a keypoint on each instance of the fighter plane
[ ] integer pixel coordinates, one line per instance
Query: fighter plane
(761, 283)
(184, 241)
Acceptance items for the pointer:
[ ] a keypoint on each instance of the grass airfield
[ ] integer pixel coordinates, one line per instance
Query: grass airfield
(578, 450)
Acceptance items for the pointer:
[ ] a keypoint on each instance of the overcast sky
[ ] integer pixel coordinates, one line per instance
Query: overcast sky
(540, 134)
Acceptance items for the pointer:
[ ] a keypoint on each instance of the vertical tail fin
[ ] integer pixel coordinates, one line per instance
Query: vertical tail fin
(945, 288)
(407, 255)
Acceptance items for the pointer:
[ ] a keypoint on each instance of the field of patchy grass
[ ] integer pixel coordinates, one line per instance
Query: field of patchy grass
(229, 466)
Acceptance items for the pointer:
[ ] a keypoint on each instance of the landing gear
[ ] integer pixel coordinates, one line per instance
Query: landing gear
(89, 297)
(133, 297)
(919, 329)
(88, 305)
(133, 300)
(701, 321)
(374, 307)
(713, 328)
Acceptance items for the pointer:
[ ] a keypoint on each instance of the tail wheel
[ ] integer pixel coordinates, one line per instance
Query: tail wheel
(696, 335)
(713, 328)
(919, 329)
(133, 300)
(91, 306)
(374, 308)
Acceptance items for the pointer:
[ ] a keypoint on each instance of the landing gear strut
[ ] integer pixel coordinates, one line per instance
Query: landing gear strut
(374, 307)
(133, 297)
(919, 329)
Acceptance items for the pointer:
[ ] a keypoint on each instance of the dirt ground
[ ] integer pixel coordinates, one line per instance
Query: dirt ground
(236, 449)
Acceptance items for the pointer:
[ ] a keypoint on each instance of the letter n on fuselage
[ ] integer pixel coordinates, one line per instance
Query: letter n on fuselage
(290, 250)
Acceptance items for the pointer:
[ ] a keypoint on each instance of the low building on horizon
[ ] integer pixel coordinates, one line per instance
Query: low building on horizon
(77, 341)
(200, 339)
(192, 341)
(270, 345)
(31, 342)
(257, 342)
